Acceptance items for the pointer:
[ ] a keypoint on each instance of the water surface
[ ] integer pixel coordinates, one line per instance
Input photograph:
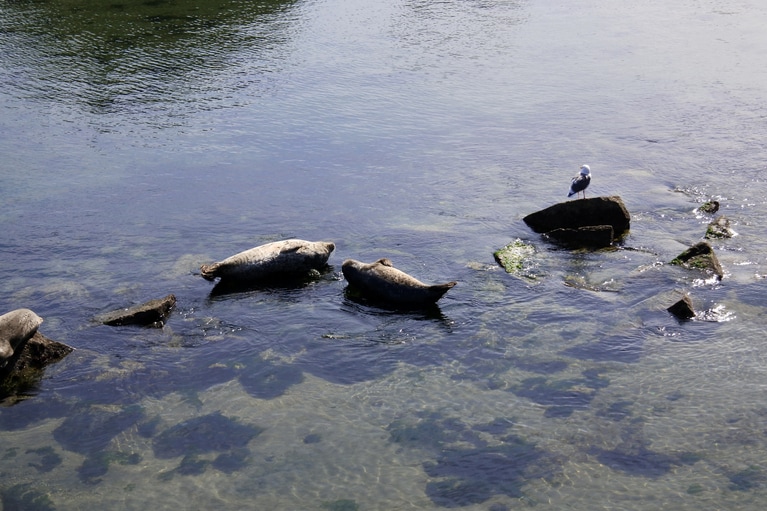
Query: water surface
(142, 139)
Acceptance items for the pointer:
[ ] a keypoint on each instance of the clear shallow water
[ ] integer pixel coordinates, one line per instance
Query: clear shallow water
(140, 140)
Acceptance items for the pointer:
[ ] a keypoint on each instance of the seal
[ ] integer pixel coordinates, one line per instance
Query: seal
(16, 327)
(383, 281)
(284, 257)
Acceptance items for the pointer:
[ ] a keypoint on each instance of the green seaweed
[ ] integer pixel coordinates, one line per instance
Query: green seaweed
(516, 259)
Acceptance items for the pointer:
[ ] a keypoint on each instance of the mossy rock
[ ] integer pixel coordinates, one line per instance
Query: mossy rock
(700, 257)
(517, 259)
(710, 207)
(719, 228)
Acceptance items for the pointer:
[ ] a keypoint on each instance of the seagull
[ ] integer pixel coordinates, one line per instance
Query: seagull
(580, 182)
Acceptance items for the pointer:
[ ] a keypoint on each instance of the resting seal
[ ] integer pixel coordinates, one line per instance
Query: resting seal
(383, 281)
(16, 327)
(277, 258)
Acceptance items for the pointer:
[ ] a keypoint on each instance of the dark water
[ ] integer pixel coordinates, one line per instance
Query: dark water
(142, 139)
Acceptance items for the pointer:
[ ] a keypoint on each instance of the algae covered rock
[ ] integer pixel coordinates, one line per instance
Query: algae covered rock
(710, 207)
(700, 256)
(719, 228)
(517, 258)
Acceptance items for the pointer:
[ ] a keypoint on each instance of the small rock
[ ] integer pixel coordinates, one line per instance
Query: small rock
(683, 309)
(711, 207)
(719, 228)
(516, 258)
(153, 313)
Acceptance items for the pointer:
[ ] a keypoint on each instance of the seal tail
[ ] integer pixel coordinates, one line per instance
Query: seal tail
(438, 290)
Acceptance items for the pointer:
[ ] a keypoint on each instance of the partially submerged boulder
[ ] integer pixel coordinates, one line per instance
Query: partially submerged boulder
(30, 352)
(153, 313)
(710, 207)
(583, 221)
(700, 256)
(683, 309)
(719, 228)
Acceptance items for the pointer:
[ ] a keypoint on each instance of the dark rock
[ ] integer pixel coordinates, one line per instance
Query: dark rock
(591, 236)
(700, 256)
(683, 309)
(153, 313)
(719, 228)
(711, 206)
(25, 368)
(597, 211)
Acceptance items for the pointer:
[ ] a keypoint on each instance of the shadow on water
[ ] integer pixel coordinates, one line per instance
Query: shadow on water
(286, 283)
(428, 311)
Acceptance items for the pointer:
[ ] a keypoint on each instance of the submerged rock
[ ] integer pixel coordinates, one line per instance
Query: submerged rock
(209, 433)
(700, 256)
(594, 213)
(153, 313)
(516, 258)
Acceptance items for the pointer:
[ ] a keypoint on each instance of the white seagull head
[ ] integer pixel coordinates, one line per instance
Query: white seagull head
(585, 170)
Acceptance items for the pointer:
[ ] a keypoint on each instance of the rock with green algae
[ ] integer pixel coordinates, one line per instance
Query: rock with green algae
(710, 207)
(700, 256)
(517, 258)
(719, 228)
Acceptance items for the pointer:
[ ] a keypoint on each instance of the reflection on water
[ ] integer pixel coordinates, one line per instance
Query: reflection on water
(145, 60)
(144, 138)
